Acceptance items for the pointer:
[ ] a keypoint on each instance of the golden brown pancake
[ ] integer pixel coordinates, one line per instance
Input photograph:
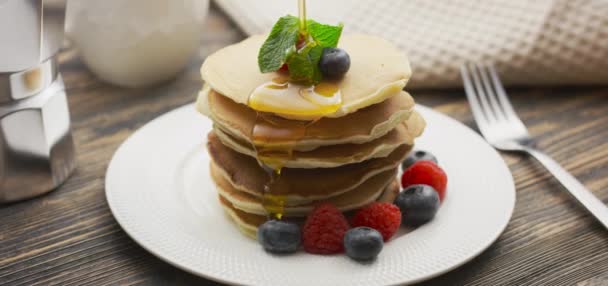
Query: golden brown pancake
(334, 155)
(363, 126)
(391, 192)
(248, 223)
(378, 70)
(300, 185)
(365, 193)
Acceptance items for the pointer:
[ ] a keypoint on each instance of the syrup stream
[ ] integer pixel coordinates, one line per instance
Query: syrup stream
(302, 14)
(269, 128)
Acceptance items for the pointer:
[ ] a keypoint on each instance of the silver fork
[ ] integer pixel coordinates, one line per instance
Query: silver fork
(503, 129)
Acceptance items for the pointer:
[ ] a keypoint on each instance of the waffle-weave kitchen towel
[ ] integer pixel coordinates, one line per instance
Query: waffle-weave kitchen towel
(545, 42)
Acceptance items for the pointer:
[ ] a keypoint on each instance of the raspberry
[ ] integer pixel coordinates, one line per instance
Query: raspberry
(284, 68)
(426, 173)
(324, 229)
(383, 217)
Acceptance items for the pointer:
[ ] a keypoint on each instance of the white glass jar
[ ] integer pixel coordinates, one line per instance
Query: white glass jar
(136, 43)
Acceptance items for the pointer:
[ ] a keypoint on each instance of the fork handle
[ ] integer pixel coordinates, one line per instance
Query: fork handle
(596, 207)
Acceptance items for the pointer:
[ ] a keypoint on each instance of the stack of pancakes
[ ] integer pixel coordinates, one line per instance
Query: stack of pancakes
(348, 158)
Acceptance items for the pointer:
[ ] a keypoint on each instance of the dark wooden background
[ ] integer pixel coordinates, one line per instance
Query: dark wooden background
(69, 236)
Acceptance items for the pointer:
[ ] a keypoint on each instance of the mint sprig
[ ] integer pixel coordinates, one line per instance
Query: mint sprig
(280, 42)
(280, 48)
(303, 65)
(325, 35)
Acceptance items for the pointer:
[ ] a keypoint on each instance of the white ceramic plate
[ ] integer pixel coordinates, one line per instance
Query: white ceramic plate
(158, 188)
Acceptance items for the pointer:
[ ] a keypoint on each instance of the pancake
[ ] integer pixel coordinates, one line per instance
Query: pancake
(303, 185)
(365, 193)
(390, 192)
(363, 126)
(337, 155)
(378, 70)
(248, 223)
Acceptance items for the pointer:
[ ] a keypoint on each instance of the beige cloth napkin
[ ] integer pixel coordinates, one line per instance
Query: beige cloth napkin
(545, 42)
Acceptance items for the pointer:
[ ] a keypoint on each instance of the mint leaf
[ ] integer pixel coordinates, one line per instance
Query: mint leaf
(280, 48)
(304, 65)
(315, 56)
(325, 35)
(275, 50)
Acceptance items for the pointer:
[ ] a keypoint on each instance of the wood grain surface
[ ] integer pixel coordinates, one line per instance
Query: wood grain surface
(69, 236)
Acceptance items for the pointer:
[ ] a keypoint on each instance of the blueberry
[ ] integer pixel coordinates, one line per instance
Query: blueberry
(415, 156)
(363, 243)
(334, 62)
(279, 236)
(418, 204)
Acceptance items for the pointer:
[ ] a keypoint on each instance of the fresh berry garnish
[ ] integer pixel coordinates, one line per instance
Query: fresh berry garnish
(334, 62)
(427, 173)
(383, 217)
(363, 243)
(416, 156)
(324, 229)
(300, 43)
(300, 47)
(418, 204)
(284, 68)
(279, 236)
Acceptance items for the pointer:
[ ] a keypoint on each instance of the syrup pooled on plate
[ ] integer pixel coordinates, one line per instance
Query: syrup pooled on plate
(284, 97)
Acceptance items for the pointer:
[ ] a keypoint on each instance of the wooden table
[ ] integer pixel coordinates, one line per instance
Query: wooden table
(69, 236)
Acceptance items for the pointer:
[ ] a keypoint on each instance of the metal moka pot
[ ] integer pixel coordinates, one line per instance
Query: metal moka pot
(36, 146)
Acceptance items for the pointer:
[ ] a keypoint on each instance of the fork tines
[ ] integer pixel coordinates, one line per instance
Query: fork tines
(488, 99)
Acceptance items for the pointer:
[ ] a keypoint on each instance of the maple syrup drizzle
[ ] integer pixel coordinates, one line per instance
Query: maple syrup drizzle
(280, 96)
(322, 99)
(266, 130)
(302, 14)
(293, 99)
